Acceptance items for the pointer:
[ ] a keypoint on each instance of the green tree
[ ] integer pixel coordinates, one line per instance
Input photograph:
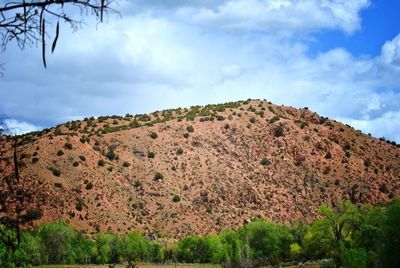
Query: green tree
(269, 242)
(56, 243)
(332, 234)
(391, 239)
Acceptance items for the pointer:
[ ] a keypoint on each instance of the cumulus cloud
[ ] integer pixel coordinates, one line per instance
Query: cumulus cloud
(19, 127)
(286, 15)
(154, 60)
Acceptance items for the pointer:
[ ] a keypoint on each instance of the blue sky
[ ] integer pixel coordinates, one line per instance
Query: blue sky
(341, 58)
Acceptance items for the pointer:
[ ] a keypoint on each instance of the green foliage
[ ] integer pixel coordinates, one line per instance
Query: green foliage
(190, 128)
(101, 163)
(354, 258)
(176, 199)
(265, 162)
(353, 236)
(56, 172)
(56, 244)
(269, 242)
(153, 135)
(68, 146)
(179, 151)
(278, 131)
(274, 119)
(111, 154)
(391, 230)
(158, 176)
(89, 185)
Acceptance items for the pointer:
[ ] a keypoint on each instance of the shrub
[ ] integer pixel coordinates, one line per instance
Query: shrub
(151, 154)
(220, 118)
(82, 140)
(111, 154)
(153, 135)
(75, 164)
(274, 119)
(186, 135)
(176, 199)
(137, 184)
(58, 185)
(68, 146)
(265, 162)
(190, 128)
(60, 152)
(227, 126)
(82, 157)
(278, 132)
(158, 176)
(252, 120)
(35, 160)
(179, 151)
(101, 163)
(56, 172)
(126, 164)
(89, 185)
(328, 155)
(79, 206)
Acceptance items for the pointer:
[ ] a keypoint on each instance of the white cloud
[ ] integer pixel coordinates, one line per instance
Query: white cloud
(286, 15)
(19, 127)
(148, 62)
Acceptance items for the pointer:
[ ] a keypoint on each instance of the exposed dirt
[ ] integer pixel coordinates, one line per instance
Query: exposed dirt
(225, 172)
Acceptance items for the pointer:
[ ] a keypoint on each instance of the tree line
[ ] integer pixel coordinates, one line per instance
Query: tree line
(350, 236)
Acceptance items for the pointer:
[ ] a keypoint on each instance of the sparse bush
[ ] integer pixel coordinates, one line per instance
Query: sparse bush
(278, 132)
(68, 146)
(151, 154)
(274, 119)
(186, 135)
(111, 154)
(158, 176)
(153, 135)
(227, 126)
(58, 185)
(252, 120)
(265, 162)
(82, 157)
(179, 151)
(82, 140)
(56, 172)
(126, 164)
(75, 164)
(190, 128)
(101, 163)
(176, 199)
(328, 155)
(220, 118)
(89, 185)
(79, 206)
(35, 160)
(137, 184)
(60, 152)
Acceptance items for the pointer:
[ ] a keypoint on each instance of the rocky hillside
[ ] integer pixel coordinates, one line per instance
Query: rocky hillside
(199, 170)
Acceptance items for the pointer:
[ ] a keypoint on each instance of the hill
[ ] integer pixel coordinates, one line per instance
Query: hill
(202, 169)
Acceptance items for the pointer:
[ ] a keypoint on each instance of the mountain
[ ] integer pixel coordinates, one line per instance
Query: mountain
(202, 169)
